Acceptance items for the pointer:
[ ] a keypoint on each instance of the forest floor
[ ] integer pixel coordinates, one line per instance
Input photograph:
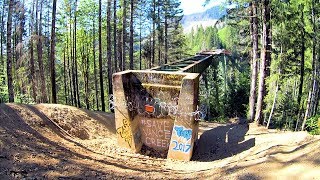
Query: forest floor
(48, 141)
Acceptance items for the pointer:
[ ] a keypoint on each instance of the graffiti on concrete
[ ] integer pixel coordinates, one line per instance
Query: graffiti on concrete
(181, 147)
(182, 132)
(156, 133)
(182, 143)
(125, 132)
(155, 107)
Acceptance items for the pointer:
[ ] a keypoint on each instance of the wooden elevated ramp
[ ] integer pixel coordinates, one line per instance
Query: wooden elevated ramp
(159, 107)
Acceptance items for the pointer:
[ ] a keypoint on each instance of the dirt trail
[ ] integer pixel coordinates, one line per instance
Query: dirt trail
(57, 141)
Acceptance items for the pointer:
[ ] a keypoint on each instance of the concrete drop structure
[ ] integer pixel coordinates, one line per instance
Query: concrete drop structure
(158, 107)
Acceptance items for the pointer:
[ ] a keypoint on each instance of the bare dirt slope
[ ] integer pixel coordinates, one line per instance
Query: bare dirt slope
(57, 141)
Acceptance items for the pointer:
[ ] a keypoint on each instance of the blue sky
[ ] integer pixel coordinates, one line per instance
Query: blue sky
(195, 6)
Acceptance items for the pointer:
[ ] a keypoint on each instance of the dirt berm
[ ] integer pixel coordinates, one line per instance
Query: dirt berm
(48, 141)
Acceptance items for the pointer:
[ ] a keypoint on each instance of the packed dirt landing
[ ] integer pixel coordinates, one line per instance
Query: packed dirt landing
(58, 141)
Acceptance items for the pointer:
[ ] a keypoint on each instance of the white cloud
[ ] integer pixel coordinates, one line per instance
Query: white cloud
(195, 6)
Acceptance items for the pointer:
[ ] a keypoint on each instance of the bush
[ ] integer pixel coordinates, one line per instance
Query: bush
(313, 125)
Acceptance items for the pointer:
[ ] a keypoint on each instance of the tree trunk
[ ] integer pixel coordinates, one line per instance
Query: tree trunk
(131, 33)
(153, 32)
(70, 75)
(124, 34)
(66, 57)
(140, 42)
(119, 44)
(87, 79)
(151, 52)
(47, 43)
(75, 55)
(314, 82)
(85, 72)
(9, 52)
(265, 61)
(206, 85)
(14, 43)
(318, 100)
(109, 51)
(307, 112)
(32, 68)
(52, 54)
(103, 106)
(315, 100)
(302, 62)
(15, 53)
(225, 80)
(44, 98)
(215, 80)
(73, 79)
(315, 64)
(95, 66)
(285, 109)
(254, 69)
(115, 36)
(2, 68)
(160, 33)
(273, 104)
(20, 33)
(64, 76)
(166, 32)
(2, 38)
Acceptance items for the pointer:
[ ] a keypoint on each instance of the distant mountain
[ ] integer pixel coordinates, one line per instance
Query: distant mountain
(206, 18)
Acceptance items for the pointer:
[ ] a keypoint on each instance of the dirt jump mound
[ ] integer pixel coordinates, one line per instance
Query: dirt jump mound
(61, 142)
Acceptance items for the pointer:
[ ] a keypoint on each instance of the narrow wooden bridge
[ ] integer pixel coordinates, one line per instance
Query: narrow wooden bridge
(158, 107)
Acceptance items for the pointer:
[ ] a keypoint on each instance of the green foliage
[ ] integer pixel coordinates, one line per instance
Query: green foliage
(3, 89)
(202, 39)
(3, 84)
(292, 28)
(227, 91)
(313, 125)
(177, 43)
(226, 37)
(287, 30)
(227, 79)
(87, 17)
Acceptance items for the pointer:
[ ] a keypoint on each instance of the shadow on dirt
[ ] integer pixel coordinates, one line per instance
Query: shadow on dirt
(249, 176)
(20, 142)
(256, 169)
(222, 142)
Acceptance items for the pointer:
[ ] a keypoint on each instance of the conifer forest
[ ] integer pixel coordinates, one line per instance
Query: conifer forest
(65, 52)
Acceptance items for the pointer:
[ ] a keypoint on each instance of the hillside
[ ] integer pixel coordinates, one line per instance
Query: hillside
(207, 18)
(57, 142)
